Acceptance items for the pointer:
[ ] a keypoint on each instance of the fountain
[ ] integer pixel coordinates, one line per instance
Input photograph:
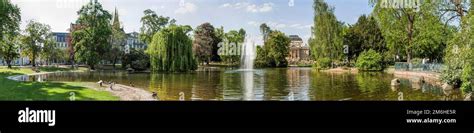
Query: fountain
(248, 54)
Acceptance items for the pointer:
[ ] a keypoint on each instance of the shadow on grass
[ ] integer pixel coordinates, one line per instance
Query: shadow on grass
(49, 91)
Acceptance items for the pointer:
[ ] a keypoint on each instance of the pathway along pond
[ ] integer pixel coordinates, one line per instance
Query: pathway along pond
(266, 84)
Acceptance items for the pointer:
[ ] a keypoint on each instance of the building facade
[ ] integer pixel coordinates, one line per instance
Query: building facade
(298, 50)
(134, 42)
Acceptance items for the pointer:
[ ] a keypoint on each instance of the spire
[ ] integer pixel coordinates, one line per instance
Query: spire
(116, 21)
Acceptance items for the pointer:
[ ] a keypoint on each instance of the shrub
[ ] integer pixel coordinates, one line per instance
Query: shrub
(323, 63)
(136, 59)
(466, 77)
(370, 61)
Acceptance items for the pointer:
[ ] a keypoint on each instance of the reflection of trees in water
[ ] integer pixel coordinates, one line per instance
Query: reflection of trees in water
(169, 85)
(276, 82)
(202, 85)
(373, 85)
(298, 82)
(416, 91)
(331, 86)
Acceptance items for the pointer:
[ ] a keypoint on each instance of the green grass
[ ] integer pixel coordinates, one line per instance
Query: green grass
(48, 91)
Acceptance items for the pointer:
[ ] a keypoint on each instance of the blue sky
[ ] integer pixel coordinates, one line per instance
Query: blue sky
(232, 14)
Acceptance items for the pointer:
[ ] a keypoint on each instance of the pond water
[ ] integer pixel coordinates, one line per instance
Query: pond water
(266, 84)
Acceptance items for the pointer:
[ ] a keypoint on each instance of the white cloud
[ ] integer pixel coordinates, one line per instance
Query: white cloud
(253, 23)
(277, 25)
(186, 8)
(253, 8)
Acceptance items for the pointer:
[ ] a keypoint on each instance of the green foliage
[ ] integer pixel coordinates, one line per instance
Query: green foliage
(417, 32)
(50, 51)
(9, 31)
(9, 18)
(364, 35)
(232, 45)
(219, 38)
(265, 30)
(459, 55)
(370, 61)
(136, 59)
(92, 41)
(323, 63)
(36, 35)
(118, 41)
(9, 48)
(327, 33)
(204, 42)
(274, 52)
(151, 24)
(171, 51)
(466, 79)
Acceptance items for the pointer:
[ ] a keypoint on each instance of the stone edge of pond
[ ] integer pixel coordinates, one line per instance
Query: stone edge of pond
(124, 92)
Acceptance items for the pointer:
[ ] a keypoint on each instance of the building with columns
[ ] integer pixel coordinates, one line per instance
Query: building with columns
(298, 50)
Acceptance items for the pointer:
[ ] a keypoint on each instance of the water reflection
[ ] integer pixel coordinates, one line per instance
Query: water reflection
(267, 84)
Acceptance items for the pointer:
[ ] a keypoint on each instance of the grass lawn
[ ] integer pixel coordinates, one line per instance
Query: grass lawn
(50, 91)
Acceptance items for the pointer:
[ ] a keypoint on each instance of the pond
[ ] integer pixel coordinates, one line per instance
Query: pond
(266, 84)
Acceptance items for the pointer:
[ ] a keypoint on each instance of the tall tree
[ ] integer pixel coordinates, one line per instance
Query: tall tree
(171, 50)
(92, 42)
(327, 33)
(9, 27)
(459, 55)
(35, 37)
(233, 42)
(220, 37)
(364, 35)
(204, 38)
(151, 24)
(118, 40)
(275, 50)
(265, 30)
(50, 51)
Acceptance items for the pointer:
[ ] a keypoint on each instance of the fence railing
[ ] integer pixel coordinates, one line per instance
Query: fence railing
(427, 67)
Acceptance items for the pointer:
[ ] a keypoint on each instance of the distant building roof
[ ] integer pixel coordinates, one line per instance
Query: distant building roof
(295, 38)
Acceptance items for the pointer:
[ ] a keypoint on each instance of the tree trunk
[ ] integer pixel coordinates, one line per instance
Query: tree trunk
(410, 38)
(113, 63)
(9, 64)
(33, 63)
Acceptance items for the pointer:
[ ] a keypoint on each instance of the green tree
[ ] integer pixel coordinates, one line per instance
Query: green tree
(92, 42)
(233, 43)
(265, 30)
(411, 29)
(137, 59)
(9, 48)
(220, 37)
(204, 39)
(364, 35)
(458, 59)
(327, 33)
(36, 36)
(49, 51)
(370, 61)
(9, 27)
(151, 24)
(275, 51)
(171, 50)
(432, 34)
(118, 40)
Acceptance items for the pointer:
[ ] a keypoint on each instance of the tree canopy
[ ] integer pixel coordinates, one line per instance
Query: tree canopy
(92, 41)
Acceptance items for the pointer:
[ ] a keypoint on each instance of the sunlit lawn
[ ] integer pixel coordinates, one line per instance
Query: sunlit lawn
(54, 91)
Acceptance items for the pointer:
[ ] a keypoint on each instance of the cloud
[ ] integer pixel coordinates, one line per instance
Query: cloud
(253, 8)
(187, 7)
(277, 25)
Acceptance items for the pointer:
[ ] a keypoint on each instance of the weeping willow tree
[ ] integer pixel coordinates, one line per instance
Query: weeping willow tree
(171, 51)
